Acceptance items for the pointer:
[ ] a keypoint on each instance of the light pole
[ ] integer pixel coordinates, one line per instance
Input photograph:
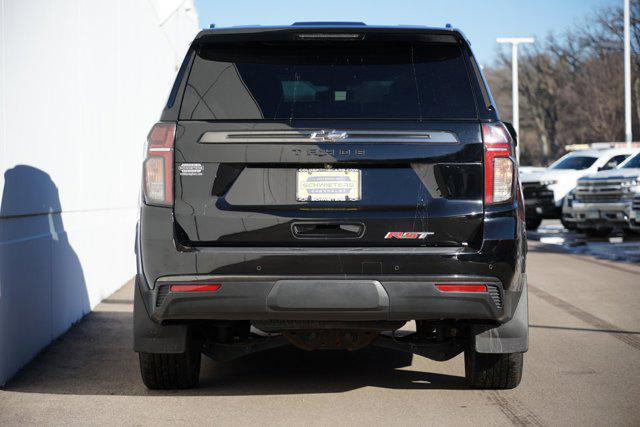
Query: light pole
(515, 41)
(628, 136)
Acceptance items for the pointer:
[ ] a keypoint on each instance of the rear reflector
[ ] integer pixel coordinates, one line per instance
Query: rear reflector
(462, 288)
(195, 288)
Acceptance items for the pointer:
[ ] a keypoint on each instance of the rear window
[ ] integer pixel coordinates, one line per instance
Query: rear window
(256, 81)
(574, 162)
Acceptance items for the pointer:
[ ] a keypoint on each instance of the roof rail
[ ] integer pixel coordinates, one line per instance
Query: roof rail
(329, 24)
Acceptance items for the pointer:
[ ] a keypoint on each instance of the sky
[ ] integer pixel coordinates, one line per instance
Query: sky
(481, 20)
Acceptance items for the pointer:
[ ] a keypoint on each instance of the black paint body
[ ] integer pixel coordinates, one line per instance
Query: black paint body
(234, 224)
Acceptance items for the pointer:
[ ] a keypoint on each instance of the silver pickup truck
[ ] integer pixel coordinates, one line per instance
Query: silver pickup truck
(603, 201)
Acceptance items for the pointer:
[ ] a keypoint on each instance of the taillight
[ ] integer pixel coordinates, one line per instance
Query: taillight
(498, 163)
(158, 165)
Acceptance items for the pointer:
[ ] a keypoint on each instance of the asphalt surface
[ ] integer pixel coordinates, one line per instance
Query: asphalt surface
(583, 367)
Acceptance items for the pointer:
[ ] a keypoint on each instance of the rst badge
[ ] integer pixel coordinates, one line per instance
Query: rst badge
(408, 234)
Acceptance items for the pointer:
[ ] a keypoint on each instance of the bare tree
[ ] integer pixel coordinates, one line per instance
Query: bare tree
(572, 88)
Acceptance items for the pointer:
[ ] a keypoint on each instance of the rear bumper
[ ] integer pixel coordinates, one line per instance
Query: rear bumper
(360, 298)
(369, 301)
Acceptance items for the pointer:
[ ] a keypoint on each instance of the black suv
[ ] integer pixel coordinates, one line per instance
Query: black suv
(320, 185)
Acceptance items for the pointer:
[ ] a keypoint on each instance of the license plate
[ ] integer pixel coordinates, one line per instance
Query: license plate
(593, 215)
(328, 185)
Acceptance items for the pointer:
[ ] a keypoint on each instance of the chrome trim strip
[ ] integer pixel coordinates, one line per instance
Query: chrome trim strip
(329, 136)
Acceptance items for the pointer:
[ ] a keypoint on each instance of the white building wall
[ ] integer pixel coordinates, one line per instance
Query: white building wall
(81, 83)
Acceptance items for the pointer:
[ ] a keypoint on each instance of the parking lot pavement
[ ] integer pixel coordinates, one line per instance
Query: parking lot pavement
(619, 246)
(583, 367)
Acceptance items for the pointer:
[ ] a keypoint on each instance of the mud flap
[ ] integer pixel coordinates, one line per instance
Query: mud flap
(511, 337)
(151, 337)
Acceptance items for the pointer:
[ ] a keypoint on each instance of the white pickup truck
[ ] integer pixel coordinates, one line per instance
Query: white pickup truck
(545, 190)
(604, 200)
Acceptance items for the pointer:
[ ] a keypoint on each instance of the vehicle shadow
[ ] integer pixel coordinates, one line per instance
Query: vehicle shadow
(95, 358)
(42, 285)
(292, 371)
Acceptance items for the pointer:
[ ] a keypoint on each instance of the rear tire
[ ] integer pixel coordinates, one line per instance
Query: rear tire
(532, 224)
(170, 371)
(493, 371)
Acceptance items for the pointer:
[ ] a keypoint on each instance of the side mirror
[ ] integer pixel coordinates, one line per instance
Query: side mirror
(512, 132)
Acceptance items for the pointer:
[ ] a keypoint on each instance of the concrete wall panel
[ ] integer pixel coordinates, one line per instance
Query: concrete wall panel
(81, 83)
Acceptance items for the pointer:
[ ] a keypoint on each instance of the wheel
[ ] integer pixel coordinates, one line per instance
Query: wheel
(170, 371)
(597, 232)
(568, 225)
(493, 371)
(533, 223)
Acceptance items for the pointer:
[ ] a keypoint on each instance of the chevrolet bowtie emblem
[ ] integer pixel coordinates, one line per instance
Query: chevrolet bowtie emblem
(329, 136)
